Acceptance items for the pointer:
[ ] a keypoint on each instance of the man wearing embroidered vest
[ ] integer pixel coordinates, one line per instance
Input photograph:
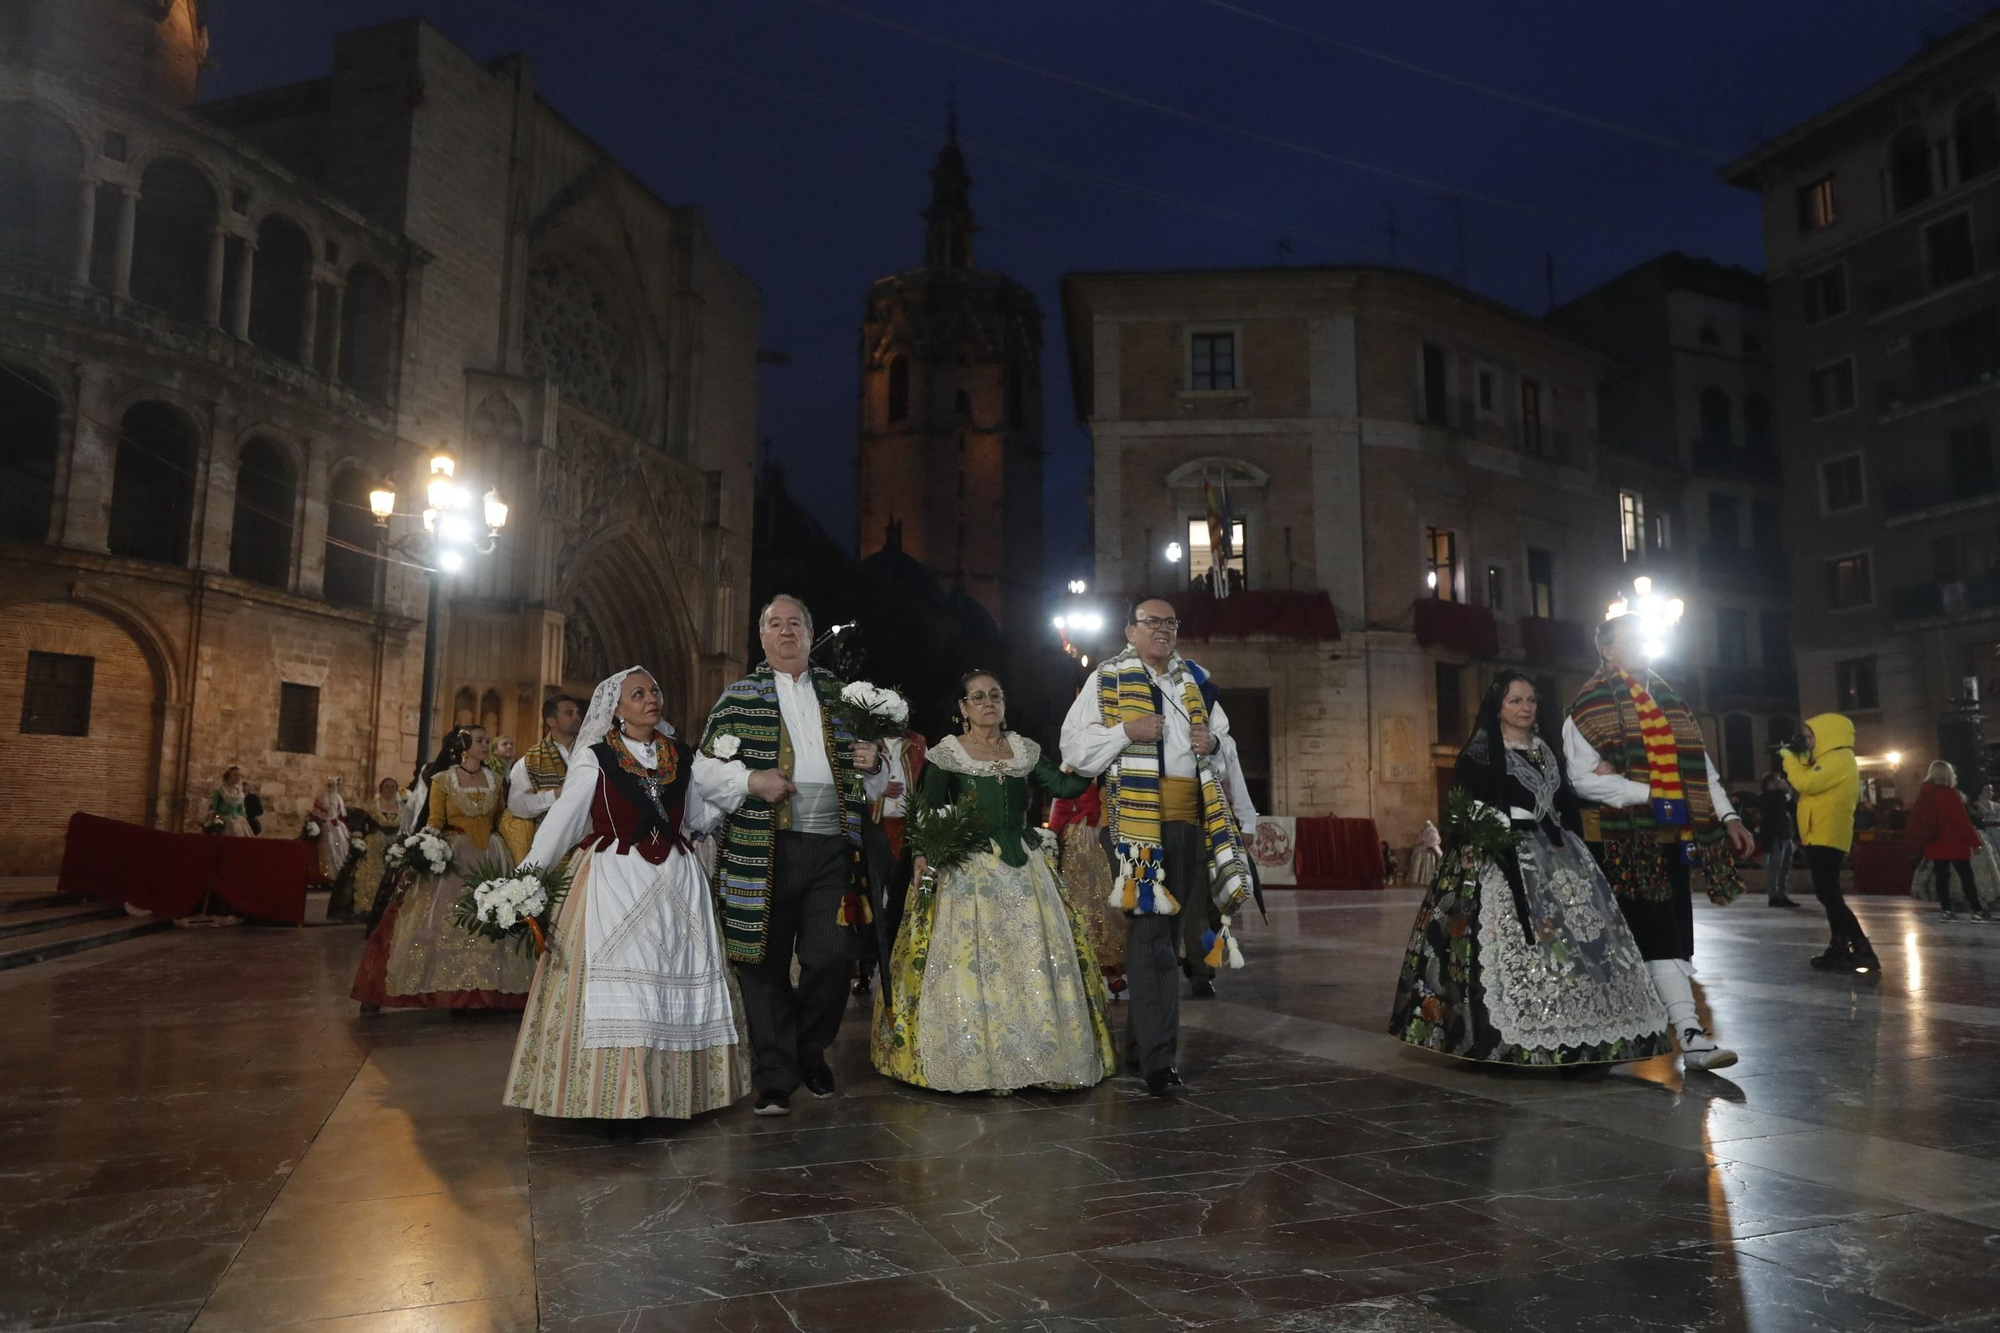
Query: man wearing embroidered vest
(1633, 747)
(797, 786)
(1153, 727)
(536, 778)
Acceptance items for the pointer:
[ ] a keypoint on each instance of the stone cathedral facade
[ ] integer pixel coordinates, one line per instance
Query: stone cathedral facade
(223, 323)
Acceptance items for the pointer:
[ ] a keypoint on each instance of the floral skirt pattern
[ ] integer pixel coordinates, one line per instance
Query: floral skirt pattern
(1473, 986)
(1086, 887)
(418, 957)
(369, 870)
(996, 986)
(553, 1074)
(1985, 878)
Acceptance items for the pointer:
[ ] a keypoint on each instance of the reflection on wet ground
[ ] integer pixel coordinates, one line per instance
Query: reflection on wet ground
(198, 1130)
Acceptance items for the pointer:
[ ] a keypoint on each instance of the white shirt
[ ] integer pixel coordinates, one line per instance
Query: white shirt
(897, 769)
(1618, 790)
(523, 801)
(1089, 747)
(798, 706)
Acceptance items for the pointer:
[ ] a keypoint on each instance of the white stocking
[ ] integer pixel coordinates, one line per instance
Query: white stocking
(1670, 979)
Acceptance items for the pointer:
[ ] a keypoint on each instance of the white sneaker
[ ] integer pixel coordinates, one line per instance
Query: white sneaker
(1699, 1051)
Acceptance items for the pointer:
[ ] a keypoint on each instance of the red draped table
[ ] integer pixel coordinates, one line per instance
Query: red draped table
(1884, 867)
(169, 874)
(1335, 853)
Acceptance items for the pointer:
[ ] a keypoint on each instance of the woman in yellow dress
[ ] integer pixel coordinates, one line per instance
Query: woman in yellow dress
(418, 957)
(381, 819)
(995, 984)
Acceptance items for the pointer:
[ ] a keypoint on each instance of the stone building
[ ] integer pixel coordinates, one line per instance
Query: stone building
(1881, 257)
(1413, 472)
(221, 324)
(1692, 486)
(951, 415)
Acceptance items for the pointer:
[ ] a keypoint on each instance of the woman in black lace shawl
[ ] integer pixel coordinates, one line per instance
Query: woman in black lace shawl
(1522, 957)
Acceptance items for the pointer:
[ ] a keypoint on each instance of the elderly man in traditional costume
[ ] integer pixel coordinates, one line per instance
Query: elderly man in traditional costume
(777, 755)
(1153, 726)
(1632, 745)
(536, 778)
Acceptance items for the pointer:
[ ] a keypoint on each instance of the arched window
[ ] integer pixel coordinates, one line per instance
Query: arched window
(367, 334)
(1715, 414)
(278, 288)
(489, 712)
(1909, 168)
(899, 388)
(41, 164)
(573, 333)
(30, 432)
(1756, 422)
(1976, 134)
(170, 239)
(152, 485)
(349, 578)
(260, 538)
(464, 707)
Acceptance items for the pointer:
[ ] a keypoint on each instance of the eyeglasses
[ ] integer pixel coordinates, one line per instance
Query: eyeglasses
(1159, 622)
(997, 696)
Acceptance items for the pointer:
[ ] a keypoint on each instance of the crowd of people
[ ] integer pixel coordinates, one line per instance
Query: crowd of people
(725, 898)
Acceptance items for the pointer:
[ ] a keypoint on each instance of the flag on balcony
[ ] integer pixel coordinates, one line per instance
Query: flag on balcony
(1221, 526)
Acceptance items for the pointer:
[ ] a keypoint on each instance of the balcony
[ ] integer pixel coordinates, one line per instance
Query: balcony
(1447, 412)
(1910, 497)
(1727, 459)
(1458, 626)
(1745, 683)
(1742, 569)
(1926, 601)
(1917, 281)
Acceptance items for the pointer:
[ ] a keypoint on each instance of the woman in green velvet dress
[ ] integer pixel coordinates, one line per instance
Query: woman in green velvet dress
(995, 985)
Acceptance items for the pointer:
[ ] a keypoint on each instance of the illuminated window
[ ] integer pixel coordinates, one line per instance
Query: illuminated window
(1201, 556)
(1441, 563)
(1632, 523)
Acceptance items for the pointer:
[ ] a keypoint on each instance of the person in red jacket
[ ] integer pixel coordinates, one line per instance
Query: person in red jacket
(1939, 821)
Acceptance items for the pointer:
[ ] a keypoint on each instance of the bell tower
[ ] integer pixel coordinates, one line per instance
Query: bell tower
(155, 47)
(951, 412)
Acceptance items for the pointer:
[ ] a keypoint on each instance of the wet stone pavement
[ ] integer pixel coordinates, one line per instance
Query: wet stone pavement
(197, 1130)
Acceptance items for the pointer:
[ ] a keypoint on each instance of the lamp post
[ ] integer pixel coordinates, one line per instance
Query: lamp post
(1079, 622)
(441, 546)
(1657, 615)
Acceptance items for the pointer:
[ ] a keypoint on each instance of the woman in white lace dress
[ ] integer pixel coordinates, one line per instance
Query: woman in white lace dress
(1524, 958)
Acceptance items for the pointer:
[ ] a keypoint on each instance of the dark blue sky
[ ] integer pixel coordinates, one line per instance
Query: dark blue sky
(803, 129)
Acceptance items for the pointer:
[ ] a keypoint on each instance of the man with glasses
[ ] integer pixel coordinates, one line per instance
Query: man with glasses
(1154, 727)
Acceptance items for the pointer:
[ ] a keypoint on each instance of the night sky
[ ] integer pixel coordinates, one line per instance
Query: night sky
(803, 129)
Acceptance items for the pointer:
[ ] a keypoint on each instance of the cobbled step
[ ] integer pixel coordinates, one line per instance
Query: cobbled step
(31, 921)
(61, 941)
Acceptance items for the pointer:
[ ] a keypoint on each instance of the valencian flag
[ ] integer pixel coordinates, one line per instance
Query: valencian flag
(1221, 529)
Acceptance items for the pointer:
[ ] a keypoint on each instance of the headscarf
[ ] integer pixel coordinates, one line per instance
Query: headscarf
(602, 715)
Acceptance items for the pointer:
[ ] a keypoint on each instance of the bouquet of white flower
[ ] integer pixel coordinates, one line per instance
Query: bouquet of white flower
(518, 904)
(873, 712)
(424, 851)
(311, 830)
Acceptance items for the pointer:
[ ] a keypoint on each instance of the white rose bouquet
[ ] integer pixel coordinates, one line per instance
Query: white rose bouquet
(311, 830)
(423, 851)
(873, 712)
(518, 905)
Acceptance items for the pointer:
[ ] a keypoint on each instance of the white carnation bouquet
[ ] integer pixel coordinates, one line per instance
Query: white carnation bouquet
(873, 712)
(424, 851)
(518, 904)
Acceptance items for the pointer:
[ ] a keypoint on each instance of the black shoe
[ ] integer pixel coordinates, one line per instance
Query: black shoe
(1164, 1083)
(1784, 902)
(819, 1082)
(861, 987)
(772, 1103)
(1204, 989)
(1862, 960)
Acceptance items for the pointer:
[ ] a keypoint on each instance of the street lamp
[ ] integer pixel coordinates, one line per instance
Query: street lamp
(1657, 615)
(1173, 553)
(447, 537)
